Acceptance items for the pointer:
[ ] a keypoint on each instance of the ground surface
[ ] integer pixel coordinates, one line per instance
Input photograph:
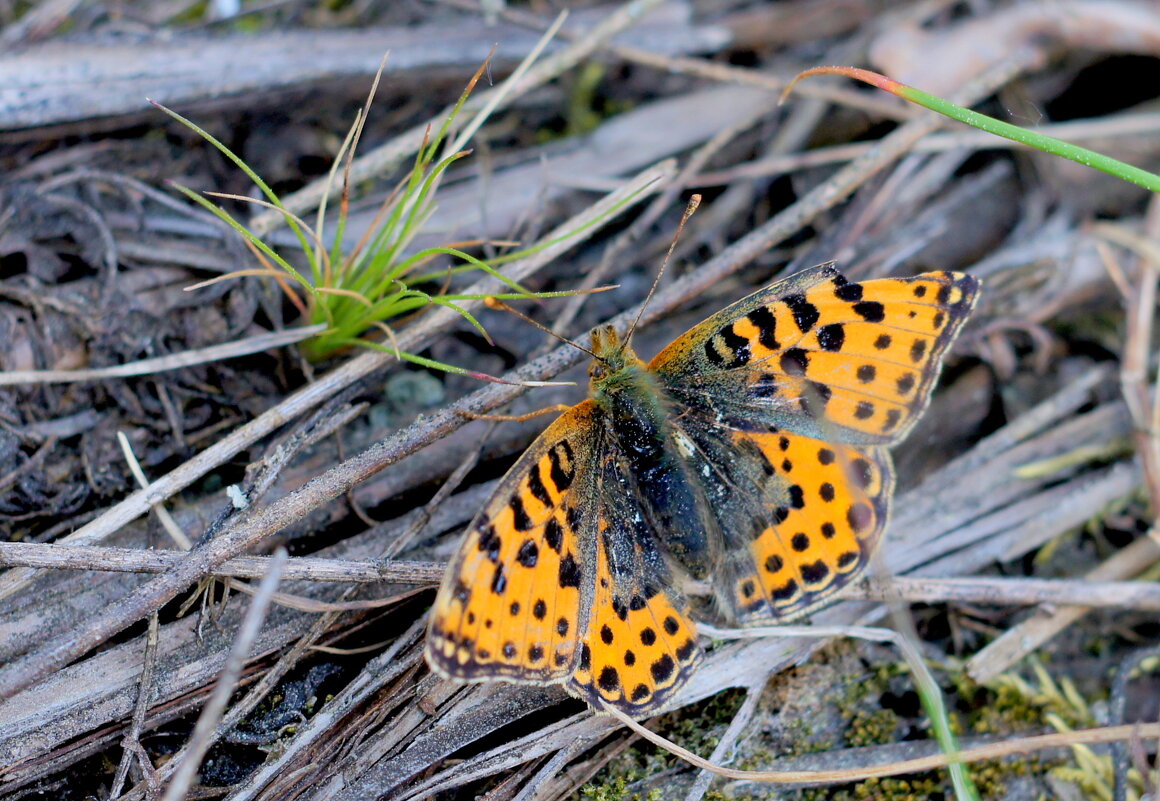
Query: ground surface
(1034, 459)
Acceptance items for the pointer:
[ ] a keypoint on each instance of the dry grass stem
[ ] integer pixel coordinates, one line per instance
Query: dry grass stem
(203, 732)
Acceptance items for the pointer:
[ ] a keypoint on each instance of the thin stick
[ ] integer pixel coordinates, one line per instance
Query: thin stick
(1144, 596)
(1019, 640)
(1022, 745)
(211, 713)
(132, 740)
(167, 522)
(175, 361)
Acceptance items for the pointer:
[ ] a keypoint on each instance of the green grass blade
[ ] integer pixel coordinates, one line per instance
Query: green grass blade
(229, 220)
(472, 260)
(304, 241)
(1048, 144)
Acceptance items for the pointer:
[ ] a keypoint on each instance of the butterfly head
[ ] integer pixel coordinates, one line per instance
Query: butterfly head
(615, 361)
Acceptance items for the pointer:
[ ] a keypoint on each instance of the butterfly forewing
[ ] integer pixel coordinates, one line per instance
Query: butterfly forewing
(822, 356)
(514, 598)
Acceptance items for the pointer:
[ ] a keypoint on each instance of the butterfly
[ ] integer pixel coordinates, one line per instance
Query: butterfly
(750, 454)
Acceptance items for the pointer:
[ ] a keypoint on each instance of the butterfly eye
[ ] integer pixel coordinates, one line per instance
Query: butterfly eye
(597, 371)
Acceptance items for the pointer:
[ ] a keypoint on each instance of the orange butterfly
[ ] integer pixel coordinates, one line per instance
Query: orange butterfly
(750, 452)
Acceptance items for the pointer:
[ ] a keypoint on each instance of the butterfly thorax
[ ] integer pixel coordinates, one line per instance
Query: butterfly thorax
(638, 416)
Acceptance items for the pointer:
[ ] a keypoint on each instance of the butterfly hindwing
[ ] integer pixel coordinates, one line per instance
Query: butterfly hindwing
(800, 517)
(821, 356)
(515, 597)
(640, 645)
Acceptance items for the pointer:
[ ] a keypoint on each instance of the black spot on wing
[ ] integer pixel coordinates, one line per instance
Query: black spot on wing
(712, 354)
(662, 668)
(805, 314)
(561, 475)
(536, 485)
(850, 293)
(499, 581)
(528, 554)
(490, 542)
(859, 516)
(569, 572)
(917, 350)
(870, 310)
(815, 572)
(794, 361)
(785, 591)
(738, 345)
(553, 534)
(831, 337)
(520, 517)
(766, 324)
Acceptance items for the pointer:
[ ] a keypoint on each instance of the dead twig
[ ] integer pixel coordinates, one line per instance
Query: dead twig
(967, 589)
(203, 732)
(174, 361)
(1025, 637)
(389, 156)
(1021, 745)
(415, 338)
(132, 739)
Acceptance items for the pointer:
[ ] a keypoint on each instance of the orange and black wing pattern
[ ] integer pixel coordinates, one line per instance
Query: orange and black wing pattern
(799, 517)
(822, 356)
(516, 596)
(792, 396)
(640, 645)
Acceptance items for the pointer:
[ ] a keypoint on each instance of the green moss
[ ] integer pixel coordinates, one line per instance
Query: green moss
(698, 728)
(872, 728)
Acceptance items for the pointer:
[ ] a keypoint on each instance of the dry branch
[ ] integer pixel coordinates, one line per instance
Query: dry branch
(58, 82)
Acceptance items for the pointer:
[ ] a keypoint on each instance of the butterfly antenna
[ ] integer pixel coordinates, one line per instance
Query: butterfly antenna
(694, 202)
(496, 303)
